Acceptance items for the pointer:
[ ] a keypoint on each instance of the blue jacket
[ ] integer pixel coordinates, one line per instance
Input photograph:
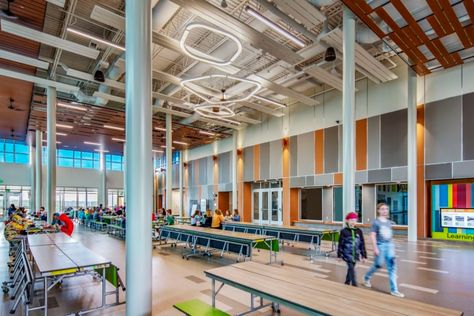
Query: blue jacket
(351, 245)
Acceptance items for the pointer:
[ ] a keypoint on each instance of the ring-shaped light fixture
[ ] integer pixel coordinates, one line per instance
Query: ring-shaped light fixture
(214, 111)
(257, 85)
(201, 56)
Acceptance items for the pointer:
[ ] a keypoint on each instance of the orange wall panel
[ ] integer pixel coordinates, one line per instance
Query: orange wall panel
(286, 212)
(361, 144)
(247, 202)
(338, 179)
(422, 218)
(319, 151)
(294, 204)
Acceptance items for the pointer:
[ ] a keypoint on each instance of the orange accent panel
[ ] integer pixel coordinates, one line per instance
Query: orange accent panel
(338, 179)
(294, 204)
(247, 201)
(223, 201)
(319, 151)
(361, 144)
(240, 184)
(286, 203)
(256, 162)
(422, 217)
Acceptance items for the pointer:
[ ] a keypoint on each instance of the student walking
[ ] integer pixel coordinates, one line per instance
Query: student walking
(384, 249)
(351, 247)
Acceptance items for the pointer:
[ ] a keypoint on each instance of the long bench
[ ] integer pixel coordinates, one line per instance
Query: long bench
(313, 236)
(201, 240)
(303, 292)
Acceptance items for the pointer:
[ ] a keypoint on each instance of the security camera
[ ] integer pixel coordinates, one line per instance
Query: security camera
(337, 121)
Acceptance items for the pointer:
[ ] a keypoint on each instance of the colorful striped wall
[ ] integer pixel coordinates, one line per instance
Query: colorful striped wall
(456, 195)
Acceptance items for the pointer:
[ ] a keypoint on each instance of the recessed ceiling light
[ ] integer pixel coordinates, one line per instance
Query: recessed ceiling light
(207, 133)
(114, 127)
(72, 107)
(45, 141)
(60, 134)
(64, 126)
(92, 143)
(160, 129)
(101, 150)
(157, 151)
(163, 146)
(118, 139)
(95, 38)
(180, 143)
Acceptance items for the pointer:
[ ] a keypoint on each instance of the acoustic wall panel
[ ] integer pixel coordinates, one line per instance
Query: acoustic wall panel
(339, 148)
(265, 161)
(225, 167)
(323, 179)
(248, 164)
(360, 177)
(209, 169)
(175, 173)
(443, 131)
(468, 126)
(399, 174)
(309, 181)
(373, 142)
(379, 176)
(191, 173)
(369, 201)
(276, 162)
(297, 182)
(393, 139)
(331, 137)
(438, 171)
(203, 176)
(293, 156)
(463, 169)
(327, 204)
(305, 154)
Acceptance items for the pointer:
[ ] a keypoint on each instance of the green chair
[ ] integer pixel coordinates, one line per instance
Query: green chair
(197, 307)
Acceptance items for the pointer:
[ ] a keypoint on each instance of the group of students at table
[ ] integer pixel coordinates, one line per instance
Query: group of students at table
(215, 220)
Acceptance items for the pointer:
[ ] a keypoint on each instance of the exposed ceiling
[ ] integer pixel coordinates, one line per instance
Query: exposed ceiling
(428, 34)
(287, 72)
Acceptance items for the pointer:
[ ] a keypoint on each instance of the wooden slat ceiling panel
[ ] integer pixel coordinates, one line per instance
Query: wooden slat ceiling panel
(411, 37)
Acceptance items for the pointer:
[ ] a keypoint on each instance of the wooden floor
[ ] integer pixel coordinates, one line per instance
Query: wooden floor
(429, 271)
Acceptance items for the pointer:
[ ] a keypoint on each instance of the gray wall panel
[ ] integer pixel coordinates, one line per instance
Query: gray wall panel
(438, 171)
(306, 154)
(175, 173)
(191, 173)
(276, 163)
(400, 174)
(293, 156)
(373, 142)
(331, 136)
(323, 179)
(443, 131)
(339, 147)
(225, 167)
(379, 176)
(209, 169)
(248, 164)
(463, 169)
(327, 204)
(297, 182)
(203, 167)
(393, 139)
(265, 161)
(467, 126)
(309, 180)
(360, 177)
(369, 201)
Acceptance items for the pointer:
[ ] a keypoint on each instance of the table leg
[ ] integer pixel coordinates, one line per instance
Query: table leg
(45, 295)
(104, 287)
(213, 293)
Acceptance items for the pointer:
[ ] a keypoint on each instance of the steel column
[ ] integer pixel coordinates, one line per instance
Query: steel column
(51, 138)
(412, 157)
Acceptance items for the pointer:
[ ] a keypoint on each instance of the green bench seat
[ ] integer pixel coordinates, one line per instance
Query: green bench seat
(197, 307)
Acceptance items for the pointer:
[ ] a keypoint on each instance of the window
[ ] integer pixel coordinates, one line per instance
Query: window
(312, 204)
(14, 152)
(358, 202)
(160, 161)
(338, 212)
(74, 158)
(396, 196)
(12, 194)
(114, 162)
(115, 197)
(75, 197)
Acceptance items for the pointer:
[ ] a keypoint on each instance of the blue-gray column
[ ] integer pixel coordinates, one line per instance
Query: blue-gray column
(169, 162)
(39, 169)
(51, 167)
(412, 187)
(139, 171)
(234, 170)
(103, 181)
(33, 206)
(348, 109)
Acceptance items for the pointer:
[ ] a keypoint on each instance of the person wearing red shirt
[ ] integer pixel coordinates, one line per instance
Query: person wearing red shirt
(67, 226)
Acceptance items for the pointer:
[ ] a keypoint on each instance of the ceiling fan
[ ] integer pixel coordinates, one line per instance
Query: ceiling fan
(12, 107)
(7, 13)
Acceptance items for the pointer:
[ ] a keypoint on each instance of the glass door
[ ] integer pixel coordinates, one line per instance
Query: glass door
(267, 206)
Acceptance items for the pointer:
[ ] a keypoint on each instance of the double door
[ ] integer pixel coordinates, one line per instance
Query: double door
(267, 206)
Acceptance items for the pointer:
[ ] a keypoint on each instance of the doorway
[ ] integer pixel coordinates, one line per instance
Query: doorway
(267, 206)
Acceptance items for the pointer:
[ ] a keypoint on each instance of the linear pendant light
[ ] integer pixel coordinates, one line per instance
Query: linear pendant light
(274, 26)
(72, 107)
(23, 59)
(117, 128)
(95, 38)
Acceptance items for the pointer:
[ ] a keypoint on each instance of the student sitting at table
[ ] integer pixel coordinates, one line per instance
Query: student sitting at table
(227, 215)
(169, 217)
(236, 216)
(64, 222)
(217, 219)
(207, 219)
(196, 218)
